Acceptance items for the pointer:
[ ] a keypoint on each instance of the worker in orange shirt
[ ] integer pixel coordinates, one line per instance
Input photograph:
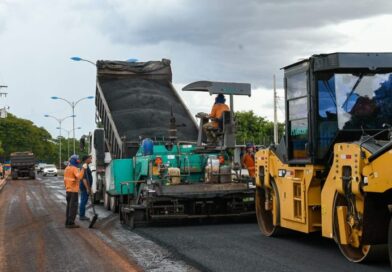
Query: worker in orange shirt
(248, 160)
(216, 115)
(72, 177)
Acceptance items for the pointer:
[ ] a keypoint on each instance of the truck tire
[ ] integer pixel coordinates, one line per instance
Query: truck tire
(14, 176)
(96, 199)
(106, 200)
(114, 204)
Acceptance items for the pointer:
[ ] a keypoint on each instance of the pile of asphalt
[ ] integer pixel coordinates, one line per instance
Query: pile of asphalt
(142, 108)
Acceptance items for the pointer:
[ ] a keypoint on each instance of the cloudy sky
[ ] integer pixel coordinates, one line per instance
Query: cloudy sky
(242, 41)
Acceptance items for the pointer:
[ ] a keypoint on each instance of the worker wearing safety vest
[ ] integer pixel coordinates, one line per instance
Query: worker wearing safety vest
(248, 160)
(72, 177)
(216, 114)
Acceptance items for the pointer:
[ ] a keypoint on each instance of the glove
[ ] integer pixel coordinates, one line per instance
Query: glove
(85, 166)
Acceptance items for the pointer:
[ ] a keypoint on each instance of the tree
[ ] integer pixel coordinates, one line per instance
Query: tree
(17, 134)
(255, 129)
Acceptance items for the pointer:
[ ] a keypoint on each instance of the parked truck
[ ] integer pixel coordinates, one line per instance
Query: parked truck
(332, 172)
(22, 165)
(157, 166)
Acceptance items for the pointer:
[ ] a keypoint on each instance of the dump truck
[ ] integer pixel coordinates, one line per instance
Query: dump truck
(133, 100)
(331, 172)
(159, 166)
(22, 165)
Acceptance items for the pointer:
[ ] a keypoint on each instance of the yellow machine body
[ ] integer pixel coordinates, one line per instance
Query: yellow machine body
(304, 204)
(332, 171)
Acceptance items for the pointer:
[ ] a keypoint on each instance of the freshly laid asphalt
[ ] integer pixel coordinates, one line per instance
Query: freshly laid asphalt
(241, 247)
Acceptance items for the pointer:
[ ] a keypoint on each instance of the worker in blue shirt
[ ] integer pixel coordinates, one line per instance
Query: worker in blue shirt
(85, 188)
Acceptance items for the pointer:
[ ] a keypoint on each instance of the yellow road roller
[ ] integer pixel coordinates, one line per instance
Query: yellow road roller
(332, 171)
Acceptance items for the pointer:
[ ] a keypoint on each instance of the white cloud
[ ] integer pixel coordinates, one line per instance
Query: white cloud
(206, 40)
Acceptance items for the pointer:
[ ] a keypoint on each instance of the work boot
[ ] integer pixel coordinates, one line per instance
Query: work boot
(84, 218)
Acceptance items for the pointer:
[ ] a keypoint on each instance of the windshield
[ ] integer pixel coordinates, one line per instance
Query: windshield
(50, 166)
(352, 102)
(360, 101)
(363, 101)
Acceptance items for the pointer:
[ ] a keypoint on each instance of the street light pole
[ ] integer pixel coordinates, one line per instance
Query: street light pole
(73, 105)
(68, 132)
(59, 120)
(81, 59)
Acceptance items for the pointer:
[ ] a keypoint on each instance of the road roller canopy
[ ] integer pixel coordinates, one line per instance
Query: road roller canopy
(335, 98)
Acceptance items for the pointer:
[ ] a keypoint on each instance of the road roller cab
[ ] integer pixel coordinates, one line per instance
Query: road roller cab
(331, 172)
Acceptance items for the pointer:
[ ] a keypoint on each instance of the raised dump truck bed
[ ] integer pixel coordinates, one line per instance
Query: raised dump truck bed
(135, 100)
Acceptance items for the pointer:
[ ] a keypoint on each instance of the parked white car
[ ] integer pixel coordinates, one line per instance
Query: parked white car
(40, 167)
(49, 170)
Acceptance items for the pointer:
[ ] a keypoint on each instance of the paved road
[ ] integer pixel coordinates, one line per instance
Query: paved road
(32, 213)
(241, 247)
(33, 236)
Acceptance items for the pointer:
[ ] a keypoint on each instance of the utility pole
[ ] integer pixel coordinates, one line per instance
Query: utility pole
(1, 93)
(3, 111)
(275, 113)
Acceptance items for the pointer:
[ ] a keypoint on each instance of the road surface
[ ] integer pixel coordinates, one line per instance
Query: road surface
(241, 247)
(33, 236)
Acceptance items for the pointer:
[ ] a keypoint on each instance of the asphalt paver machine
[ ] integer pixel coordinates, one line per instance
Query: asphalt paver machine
(174, 179)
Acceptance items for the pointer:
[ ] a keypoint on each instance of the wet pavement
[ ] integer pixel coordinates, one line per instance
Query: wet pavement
(33, 236)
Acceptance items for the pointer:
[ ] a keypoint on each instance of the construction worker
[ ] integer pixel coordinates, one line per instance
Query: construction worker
(85, 188)
(72, 177)
(248, 160)
(216, 116)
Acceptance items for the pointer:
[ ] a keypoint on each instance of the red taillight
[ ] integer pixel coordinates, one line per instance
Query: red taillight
(158, 161)
(221, 159)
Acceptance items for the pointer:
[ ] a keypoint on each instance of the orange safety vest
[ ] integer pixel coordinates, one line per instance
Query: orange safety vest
(72, 177)
(249, 162)
(217, 111)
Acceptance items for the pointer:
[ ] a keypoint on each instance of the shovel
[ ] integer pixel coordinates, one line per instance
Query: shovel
(95, 217)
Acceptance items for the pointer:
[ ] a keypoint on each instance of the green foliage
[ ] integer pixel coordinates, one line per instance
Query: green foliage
(255, 129)
(17, 134)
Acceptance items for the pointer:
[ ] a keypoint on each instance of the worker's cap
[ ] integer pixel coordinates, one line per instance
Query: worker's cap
(86, 157)
(220, 98)
(249, 145)
(74, 159)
